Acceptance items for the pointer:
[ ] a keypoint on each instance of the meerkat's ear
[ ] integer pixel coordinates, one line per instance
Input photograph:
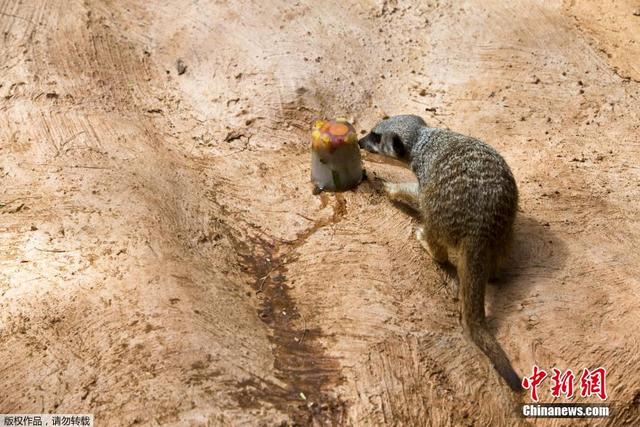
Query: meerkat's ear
(392, 145)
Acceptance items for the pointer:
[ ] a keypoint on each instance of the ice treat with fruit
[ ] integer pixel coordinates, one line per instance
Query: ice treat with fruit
(335, 156)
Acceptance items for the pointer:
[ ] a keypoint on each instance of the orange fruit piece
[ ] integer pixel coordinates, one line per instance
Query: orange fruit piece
(338, 129)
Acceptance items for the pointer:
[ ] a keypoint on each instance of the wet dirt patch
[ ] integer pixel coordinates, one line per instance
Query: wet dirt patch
(310, 375)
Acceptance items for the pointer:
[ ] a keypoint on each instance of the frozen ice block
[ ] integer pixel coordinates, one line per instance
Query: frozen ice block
(335, 156)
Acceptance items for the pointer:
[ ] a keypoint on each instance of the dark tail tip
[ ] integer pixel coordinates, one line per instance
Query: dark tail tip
(511, 378)
(489, 345)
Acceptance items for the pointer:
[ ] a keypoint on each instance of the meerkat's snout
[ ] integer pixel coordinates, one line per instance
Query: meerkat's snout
(370, 142)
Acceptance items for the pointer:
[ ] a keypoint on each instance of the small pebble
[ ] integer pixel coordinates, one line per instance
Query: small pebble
(181, 67)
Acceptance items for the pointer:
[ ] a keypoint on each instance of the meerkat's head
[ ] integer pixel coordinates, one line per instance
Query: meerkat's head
(394, 137)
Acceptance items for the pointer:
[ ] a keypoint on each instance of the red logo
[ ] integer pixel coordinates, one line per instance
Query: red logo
(592, 383)
(534, 381)
(562, 383)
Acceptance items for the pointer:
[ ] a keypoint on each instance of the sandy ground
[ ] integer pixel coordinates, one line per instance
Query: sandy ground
(162, 258)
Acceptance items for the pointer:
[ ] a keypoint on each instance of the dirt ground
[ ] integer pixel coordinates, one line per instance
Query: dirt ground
(162, 258)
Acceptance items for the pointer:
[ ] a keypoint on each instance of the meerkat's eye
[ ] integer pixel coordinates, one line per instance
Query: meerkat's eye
(375, 138)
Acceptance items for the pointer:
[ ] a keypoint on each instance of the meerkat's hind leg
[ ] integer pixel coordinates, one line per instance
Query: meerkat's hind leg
(495, 270)
(405, 192)
(437, 251)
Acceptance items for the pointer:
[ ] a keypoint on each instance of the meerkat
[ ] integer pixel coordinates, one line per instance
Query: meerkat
(467, 197)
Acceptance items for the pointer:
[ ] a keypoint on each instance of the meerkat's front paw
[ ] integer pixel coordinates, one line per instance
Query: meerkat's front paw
(420, 237)
(404, 192)
(390, 189)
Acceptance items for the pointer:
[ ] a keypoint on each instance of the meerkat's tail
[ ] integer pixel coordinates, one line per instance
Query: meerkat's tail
(473, 273)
